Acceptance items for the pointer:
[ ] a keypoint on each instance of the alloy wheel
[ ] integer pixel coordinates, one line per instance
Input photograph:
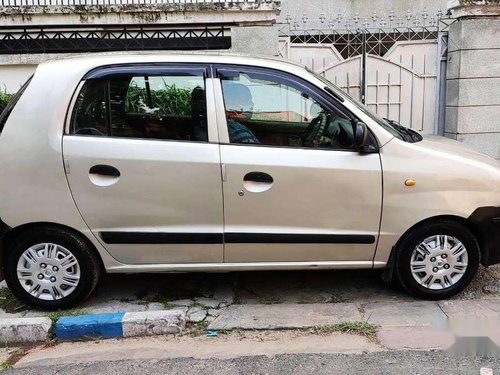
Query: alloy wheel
(48, 271)
(439, 262)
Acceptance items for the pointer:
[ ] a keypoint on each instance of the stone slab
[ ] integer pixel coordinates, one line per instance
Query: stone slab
(475, 63)
(24, 330)
(483, 308)
(473, 318)
(487, 143)
(415, 338)
(421, 313)
(285, 316)
(475, 33)
(470, 120)
(207, 302)
(473, 91)
(152, 323)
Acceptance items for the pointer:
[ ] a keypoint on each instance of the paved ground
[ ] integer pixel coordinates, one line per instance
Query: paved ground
(314, 303)
(396, 363)
(203, 296)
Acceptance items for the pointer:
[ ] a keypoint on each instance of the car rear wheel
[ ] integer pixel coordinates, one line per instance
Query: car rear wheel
(51, 268)
(437, 260)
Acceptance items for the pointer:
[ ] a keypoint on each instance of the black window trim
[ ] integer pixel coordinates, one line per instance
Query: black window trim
(313, 91)
(106, 71)
(150, 69)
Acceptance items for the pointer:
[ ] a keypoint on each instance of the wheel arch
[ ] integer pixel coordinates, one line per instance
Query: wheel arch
(388, 275)
(10, 234)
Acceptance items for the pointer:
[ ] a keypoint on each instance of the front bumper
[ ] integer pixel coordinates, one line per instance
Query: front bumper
(487, 220)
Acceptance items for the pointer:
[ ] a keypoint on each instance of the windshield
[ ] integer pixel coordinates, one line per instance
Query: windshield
(10, 106)
(393, 127)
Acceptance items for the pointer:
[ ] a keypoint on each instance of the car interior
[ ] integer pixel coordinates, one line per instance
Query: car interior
(173, 113)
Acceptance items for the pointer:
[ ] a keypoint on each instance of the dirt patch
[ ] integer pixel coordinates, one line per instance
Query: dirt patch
(485, 276)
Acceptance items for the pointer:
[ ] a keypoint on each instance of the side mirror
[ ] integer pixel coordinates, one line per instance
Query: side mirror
(361, 139)
(360, 135)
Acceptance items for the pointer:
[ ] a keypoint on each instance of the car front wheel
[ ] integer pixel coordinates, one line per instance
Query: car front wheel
(51, 268)
(437, 260)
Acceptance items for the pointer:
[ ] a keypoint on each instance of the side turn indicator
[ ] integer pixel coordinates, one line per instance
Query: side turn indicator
(410, 183)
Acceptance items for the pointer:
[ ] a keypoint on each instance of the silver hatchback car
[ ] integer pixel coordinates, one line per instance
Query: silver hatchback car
(176, 163)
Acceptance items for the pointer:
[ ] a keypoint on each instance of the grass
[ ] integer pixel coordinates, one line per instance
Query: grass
(197, 329)
(5, 365)
(56, 315)
(14, 357)
(355, 328)
(8, 301)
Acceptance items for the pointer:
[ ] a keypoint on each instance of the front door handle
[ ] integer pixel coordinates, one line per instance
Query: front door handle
(105, 170)
(259, 177)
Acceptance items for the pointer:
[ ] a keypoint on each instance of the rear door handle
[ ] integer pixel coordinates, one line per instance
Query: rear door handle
(104, 170)
(259, 177)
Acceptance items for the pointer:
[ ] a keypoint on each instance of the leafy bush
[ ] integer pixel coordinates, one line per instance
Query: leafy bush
(5, 98)
(170, 100)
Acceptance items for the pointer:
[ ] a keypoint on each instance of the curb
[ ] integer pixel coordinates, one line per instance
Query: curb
(24, 330)
(132, 324)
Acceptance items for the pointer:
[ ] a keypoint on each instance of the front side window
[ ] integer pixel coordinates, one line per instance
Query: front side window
(266, 110)
(393, 127)
(160, 106)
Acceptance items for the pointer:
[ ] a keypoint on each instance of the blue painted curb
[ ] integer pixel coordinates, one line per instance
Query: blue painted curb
(88, 326)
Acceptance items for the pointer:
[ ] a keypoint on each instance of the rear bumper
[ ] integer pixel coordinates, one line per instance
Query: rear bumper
(487, 220)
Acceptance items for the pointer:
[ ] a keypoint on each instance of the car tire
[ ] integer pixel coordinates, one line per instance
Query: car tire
(62, 263)
(431, 258)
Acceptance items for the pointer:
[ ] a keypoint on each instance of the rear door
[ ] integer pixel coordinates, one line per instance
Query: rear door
(143, 164)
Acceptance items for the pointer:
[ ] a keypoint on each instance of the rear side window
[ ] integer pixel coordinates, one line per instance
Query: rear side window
(10, 106)
(166, 106)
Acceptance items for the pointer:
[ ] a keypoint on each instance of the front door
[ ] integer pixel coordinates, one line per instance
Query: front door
(143, 164)
(295, 189)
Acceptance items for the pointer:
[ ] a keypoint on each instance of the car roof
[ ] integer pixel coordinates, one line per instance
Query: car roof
(92, 61)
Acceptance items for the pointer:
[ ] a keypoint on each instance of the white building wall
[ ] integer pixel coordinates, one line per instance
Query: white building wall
(13, 76)
(296, 9)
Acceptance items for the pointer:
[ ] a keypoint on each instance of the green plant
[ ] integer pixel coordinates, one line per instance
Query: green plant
(8, 301)
(356, 328)
(13, 358)
(197, 329)
(56, 315)
(169, 100)
(5, 98)
(5, 365)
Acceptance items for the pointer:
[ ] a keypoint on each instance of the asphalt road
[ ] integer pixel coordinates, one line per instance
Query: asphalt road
(397, 363)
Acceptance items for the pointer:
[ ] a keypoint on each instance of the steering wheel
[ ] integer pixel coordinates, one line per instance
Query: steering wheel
(313, 135)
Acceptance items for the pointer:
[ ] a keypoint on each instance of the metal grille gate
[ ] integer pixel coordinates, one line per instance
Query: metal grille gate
(397, 70)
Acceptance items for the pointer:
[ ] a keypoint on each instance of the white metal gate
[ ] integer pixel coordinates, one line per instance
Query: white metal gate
(397, 71)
